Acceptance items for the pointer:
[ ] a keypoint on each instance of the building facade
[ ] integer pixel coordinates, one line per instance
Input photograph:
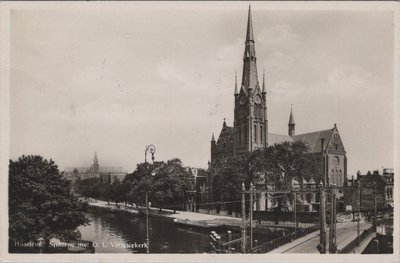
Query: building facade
(388, 178)
(107, 174)
(250, 126)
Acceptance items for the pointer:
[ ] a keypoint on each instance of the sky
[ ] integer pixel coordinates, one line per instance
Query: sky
(114, 81)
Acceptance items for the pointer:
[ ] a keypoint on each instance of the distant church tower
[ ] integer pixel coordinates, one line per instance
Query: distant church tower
(95, 166)
(250, 115)
(291, 123)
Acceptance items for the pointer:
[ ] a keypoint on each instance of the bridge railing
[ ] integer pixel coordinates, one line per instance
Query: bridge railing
(353, 244)
(280, 241)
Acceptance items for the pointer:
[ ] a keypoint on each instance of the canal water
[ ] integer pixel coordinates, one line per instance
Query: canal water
(125, 233)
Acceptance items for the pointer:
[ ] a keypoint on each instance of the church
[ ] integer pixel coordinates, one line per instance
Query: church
(250, 127)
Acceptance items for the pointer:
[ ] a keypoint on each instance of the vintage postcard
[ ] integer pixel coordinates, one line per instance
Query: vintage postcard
(199, 131)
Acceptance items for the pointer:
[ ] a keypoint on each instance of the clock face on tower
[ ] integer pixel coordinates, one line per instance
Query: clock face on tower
(257, 99)
(242, 100)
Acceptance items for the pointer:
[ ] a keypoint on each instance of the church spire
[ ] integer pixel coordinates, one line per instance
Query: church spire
(291, 123)
(95, 163)
(236, 88)
(249, 35)
(263, 85)
(95, 160)
(249, 76)
(291, 118)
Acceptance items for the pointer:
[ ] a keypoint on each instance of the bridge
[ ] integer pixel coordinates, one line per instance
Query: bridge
(346, 240)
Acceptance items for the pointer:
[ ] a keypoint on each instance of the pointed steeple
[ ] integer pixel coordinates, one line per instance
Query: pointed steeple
(263, 85)
(249, 76)
(95, 160)
(212, 138)
(291, 118)
(249, 34)
(224, 124)
(95, 163)
(291, 123)
(236, 87)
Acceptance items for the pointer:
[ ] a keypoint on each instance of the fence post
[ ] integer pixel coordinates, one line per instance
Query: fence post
(229, 238)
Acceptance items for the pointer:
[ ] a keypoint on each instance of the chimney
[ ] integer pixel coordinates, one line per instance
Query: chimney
(322, 145)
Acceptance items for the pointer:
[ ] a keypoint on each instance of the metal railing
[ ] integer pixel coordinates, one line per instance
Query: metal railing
(353, 244)
(277, 242)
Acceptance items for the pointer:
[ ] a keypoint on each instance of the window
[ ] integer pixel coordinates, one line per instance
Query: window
(261, 133)
(255, 133)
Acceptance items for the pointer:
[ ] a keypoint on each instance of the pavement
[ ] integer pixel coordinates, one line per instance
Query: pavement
(181, 215)
(345, 233)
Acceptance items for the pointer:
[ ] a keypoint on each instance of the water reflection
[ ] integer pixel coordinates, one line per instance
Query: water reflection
(113, 232)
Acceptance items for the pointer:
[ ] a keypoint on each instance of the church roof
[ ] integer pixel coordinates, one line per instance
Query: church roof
(226, 135)
(102, 169)
(111, 169)
(278, 138)
(80, 169)
(313, 139)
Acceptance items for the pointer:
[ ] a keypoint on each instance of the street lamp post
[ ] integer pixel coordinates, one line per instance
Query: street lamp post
(152, 149)
(359, 212)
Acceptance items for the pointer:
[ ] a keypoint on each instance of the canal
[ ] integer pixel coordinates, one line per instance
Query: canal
(125, 233)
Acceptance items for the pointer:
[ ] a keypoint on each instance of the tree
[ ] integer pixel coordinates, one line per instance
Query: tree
(276, 166)
(166, 187)
(40, 202)
(117, 191)
(90, 187)
(170, 183)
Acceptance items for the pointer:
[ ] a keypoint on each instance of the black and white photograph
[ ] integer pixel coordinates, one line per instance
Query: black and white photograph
(144, 130)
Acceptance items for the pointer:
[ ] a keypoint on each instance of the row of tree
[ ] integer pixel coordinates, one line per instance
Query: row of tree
(276, 166)
(167, 184)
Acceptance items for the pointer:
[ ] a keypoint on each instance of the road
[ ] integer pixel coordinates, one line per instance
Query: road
(345, 233)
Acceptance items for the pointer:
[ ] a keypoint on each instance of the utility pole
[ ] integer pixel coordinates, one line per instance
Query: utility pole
(375, 208)
(332, 229)
(251, 215)
(294, 214)
(243, 220)
(359, 212)
(322, 216)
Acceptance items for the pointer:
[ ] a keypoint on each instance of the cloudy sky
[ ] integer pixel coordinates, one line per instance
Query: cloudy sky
(115, 80)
